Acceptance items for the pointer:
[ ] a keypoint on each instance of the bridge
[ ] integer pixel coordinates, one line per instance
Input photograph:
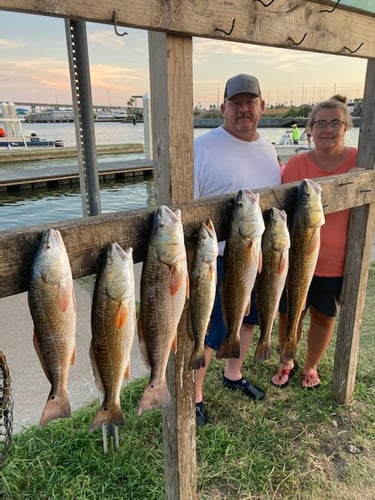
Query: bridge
(54, 105)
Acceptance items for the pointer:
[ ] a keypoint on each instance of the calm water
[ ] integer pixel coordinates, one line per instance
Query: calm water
(19, 209)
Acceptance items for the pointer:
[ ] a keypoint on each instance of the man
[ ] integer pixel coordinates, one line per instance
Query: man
(227, 159)
(295, 134)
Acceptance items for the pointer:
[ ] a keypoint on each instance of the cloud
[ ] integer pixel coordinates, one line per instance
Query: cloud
(9, 44)
(105, 39)
(116, 77)
(279, 59)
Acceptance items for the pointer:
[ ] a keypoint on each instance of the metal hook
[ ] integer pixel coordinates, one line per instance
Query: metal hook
(334, 8)
(226, 32)
(297, 43)
(114, 19)
(266, 4)
(344, 49)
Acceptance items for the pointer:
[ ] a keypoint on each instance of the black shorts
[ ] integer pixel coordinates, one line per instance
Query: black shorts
(324, 294)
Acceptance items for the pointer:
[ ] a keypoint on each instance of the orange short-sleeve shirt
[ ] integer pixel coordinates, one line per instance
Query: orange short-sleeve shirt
(334, 233)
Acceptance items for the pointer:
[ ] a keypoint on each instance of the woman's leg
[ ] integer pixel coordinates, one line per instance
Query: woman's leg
(318, 338)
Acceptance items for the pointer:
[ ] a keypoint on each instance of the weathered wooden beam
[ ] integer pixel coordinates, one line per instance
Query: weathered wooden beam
(361, 233)
(293, 24)
(86, 237)
(171, 78)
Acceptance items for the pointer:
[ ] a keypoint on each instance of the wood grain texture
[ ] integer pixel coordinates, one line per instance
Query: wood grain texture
(293, 24)
(86, 237)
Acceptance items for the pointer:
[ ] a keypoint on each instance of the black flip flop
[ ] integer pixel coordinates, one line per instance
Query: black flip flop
(290, 372)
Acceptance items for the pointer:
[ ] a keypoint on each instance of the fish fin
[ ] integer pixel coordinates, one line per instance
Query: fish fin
(263, 351)
(260, 262)
(247, 310)
(175, 281)
(174, 344)
(74, 302)
(73, 358)
(314, 243)
(283, 263)
(121, 316)
(198, 359)
(65, 296)
(39, 352)
(156, 395)
(56, 407)
(187, 286)
(142, 345)
(111, 415)
(229, 349)
(127, 372)
(95, 370)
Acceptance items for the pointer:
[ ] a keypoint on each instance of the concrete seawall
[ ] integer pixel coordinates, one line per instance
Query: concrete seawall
(30, 154)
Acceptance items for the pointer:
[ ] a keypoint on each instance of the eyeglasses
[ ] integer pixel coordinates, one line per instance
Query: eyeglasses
(323, 124)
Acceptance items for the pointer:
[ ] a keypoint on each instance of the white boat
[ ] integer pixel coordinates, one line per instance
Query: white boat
(285, 151)
(110, 116)
(104, 116)
(12, 136)
(286, 148)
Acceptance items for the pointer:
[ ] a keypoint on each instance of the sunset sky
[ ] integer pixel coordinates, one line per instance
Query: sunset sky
(34, 66)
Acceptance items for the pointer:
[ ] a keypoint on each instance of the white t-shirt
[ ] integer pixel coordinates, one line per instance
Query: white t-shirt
(224, 164)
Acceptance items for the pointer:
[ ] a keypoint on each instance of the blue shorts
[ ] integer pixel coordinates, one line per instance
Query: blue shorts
(324, 294)
(217, 329)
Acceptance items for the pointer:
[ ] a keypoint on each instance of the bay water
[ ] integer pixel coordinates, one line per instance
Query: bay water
(20, 209)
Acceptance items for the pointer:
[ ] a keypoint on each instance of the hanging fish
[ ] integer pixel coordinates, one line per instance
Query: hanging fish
(271, 281)
(304, 250)
(203, 278)
(242, 261)
(52, 305)
(164, 288)
(113, 321)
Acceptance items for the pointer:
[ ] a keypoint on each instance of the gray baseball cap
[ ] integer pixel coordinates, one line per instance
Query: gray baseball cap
(242, 83)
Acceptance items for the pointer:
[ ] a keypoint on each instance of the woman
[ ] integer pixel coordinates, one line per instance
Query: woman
(328, 123)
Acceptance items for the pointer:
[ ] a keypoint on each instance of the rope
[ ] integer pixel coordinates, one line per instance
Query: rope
(6, 409)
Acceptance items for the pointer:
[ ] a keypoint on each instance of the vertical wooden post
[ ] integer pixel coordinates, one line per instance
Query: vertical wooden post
(171, 79)
(361, 233)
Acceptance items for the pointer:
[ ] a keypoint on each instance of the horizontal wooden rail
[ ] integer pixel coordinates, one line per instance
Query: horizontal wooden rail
(86, 237)
(292, 24)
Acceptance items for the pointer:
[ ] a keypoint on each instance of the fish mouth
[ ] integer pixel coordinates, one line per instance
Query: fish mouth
(307, 184)
(279, 213)
(52, 237)
(246, 193)
(164, 215)
(209, 228)
(116, 250)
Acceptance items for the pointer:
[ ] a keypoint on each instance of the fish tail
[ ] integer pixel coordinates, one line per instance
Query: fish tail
(198, 359)
(288, 350)
(229, 349)
(156, 395)
(56, 407)
(263, 351)
(107, 415)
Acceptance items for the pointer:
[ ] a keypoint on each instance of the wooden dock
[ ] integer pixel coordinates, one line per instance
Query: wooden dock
(36, 178)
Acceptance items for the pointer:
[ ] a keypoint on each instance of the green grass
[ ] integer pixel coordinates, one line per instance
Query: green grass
(294, 445)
